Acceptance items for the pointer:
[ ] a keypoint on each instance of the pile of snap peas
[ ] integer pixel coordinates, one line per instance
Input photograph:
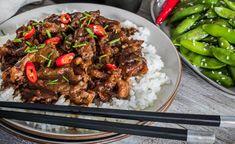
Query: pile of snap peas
(204, 33)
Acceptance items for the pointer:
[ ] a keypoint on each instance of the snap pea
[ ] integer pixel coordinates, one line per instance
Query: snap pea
(230, 4)
(219, 77)
(197, 47)
(232, 72)
(223, 43)
(232, 23)
(222, 22)
(220, 31)
(185, 25)
(194, 34)
(187, 12)
(211, 13)
(224, 55)
(210, 39)
(225, 12)
(184, 52)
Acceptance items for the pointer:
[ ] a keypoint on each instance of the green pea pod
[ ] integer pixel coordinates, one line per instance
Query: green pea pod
(223, 43)
(197, 47)
(185, 52)
(219, 77)
(230, 4)
(225, 12)
(195, 34)
(232, 72)
(187, 12)
(220, 31)
(185, 25)
(211, 13)
(222, 22)
(224, 55)
(210, 39)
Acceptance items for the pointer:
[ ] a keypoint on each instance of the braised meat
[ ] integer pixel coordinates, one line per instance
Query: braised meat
(82, 56)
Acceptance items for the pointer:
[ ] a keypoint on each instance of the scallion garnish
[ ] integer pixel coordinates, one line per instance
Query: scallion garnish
(53, 82)
(91, 33)
(106, 27)
(49, 63)
(48, 34)
(31, 49)
(29, 27)
(89, 22)
(17, 41)
(102, 56)
(79, 45)
(28, 43)
(114, 41)
(70, 27)
(67, 80)
(3, 33)
(41, 46)
(87, 14)
(83, 18)
(68, 42)
(64, 34)
(36, 23)
(44, 57)
(49, 56)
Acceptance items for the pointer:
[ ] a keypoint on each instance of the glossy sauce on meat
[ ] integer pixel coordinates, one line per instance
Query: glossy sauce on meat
(100, 70)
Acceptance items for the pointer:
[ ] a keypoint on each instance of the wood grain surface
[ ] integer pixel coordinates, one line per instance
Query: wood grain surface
(195, 95)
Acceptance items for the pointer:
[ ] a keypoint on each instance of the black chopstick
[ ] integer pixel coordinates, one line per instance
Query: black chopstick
(192, 119)
(158, 132)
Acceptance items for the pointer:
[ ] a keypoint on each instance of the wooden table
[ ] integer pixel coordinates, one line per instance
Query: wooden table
(194, 96)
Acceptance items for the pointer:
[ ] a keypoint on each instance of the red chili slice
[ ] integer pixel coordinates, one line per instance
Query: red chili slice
(65, 59)
(65, 18)
(98, 30)
(53, 41)
(111, 66)
(30, 34)
(31, 72)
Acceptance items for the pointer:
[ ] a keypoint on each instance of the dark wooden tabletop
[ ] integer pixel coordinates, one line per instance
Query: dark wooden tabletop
(194, 96)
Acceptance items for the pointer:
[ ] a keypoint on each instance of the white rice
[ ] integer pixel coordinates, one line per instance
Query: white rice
(144, 90)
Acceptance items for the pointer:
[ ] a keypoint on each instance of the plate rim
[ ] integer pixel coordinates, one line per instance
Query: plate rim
(179, 76)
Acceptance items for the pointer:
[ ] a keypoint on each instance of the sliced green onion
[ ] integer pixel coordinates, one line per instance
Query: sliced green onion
(29, 27)
(63, 33)
(106, 27)
(24, 33)
(49, 56)
(48, 34)
(114, 41)
(28, 43)
(44, 57)
(65, 79)
(79, 45)
(89, 22)
(36, 23)
(49, 63)
(87, 14)
(68, 42)
(70, 27)
(41, 46)
(83, 18)
(17, 41)
(53, 82)
(31, 49)
(91, 33)
(3, 33)
(102, 56)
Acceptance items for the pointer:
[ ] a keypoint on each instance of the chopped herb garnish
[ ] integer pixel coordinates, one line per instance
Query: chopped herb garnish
(64, 34)
(44, 57)
(36, 23)
(87, 14)
(79, 45)
(89, 22)
(17, 41)
(106, 27)
(102, 56)
(67, 80)
(91, 33)
(114, 41)
(29, 27)
(70, 27)
(24, 33)
(68, 42)
(82, 18)
(3, 33)
(49, 56)
(49, 63)
(28, 43)
(41, 46)
(53, 82)
(31, 49)
(48, 34)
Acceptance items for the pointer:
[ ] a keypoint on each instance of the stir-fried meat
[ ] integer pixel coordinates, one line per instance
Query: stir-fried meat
(82, 56)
